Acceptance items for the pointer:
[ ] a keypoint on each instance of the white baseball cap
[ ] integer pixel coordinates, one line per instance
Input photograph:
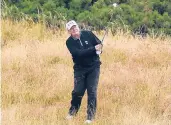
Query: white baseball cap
(70, 24)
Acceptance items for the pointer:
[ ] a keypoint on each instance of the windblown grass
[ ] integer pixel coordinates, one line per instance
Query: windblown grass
(37, 78)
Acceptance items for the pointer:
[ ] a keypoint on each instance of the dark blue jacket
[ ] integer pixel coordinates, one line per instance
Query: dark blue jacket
(83, 50)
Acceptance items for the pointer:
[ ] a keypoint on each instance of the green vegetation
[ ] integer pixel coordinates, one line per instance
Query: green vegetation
(138, 16)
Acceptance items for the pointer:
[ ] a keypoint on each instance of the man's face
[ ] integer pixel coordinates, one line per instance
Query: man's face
(74, 30)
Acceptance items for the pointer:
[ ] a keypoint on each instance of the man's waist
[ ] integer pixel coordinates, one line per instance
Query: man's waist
(89, 65)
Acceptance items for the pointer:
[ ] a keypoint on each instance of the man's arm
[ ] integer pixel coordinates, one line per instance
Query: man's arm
(95, 41)
(80, 52)
(94, 38)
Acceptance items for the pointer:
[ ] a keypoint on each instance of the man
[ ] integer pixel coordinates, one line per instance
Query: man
(84, 47)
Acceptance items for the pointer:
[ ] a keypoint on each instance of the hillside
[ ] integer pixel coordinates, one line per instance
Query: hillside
(138, 16)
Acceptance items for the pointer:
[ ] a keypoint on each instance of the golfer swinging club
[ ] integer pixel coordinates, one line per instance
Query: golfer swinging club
(84, 47)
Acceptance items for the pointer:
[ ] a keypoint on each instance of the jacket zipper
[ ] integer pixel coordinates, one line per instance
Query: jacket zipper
(81, 42)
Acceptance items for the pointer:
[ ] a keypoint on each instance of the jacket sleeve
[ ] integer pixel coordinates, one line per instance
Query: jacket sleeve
(80, 52)
(95, 40)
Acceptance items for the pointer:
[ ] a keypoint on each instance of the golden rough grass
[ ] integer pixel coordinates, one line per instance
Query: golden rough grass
(37, 78)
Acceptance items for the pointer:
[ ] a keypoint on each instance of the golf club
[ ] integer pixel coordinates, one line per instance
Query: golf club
(106, 29)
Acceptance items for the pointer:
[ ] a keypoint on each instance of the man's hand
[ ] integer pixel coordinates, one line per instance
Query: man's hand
(98, 47)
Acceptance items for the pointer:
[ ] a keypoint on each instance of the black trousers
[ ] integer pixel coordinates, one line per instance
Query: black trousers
(85, 79)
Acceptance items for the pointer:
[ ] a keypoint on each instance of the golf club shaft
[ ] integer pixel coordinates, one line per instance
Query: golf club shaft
(104, 36)
(99, 52)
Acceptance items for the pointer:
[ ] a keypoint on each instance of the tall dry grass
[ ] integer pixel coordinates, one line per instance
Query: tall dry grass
(37, 78)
